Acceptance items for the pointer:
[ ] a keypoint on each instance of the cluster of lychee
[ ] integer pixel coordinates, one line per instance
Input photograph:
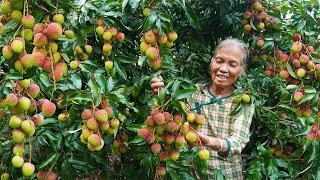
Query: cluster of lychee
(260, 17)
(150, 45)
(81, 53)
(304, 109)
(11, 10)
(96, 122)
(120, 144)
(46, 175)
(243, 98)
(21, 102)
(279, 152)
(45, 53)
(167, 133)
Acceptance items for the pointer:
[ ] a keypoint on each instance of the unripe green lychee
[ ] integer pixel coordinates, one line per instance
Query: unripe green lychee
(27, 34)
(16, 15)
(143, 47)
(18, 150)
(69, 34)
(94, 140)
(191, 137)
(18, 136)
(100, 30)
(199, 119)
(78, 50)
(74, 64)
(24, 83)
(203, 154)
(4, 176)
(245, 98)
(40, 40)
(5, 7)
(12, 99)
(106, 49)
(58, 18)
(28, 127)
(301, 72)
(169, 44)
(24, 103)
(17, 45)
(17, 161)
(107, 35)
(114, 123)
(14, 122)
(56, 57)
(101, 115)
(33, 105)
(146, 12)
(108, 65)
(28, 21)
(18, 66)
(152, 53)
(48, 108)
(53, 30)
(17, 4)
(88, 48)
(27, 169)
(53, 47)
(7, 52)
(191, 117)
(27, 60)
(172, 36)
(63, 117)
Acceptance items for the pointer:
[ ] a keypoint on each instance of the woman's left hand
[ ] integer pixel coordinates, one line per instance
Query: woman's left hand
(203, 138)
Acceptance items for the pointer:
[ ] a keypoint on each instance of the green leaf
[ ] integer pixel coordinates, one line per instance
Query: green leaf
(150, 21)
(183, 94)
(101, 81)
(191, 15)
(95, 91)
(110, 84)
(292, 86)
(51, 158)
(293, 74)
(306, 98)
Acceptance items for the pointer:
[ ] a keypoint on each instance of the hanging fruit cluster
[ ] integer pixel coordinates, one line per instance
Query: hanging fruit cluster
(96, 122)
(167, 133)
(151, 43)
(120, 143)
(21, 104)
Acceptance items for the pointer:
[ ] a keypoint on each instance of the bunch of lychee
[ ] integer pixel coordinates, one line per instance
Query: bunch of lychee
(120, 143)
(150, 45)
(300, 59)
(81, 53)
(243, 98)
(96, 122)
(278, 152)
(12, 10)
(109, 35)
(303, 109)
(167, 133)
(260, 18)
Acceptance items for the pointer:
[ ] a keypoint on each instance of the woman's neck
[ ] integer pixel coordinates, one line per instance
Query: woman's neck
(220, 92)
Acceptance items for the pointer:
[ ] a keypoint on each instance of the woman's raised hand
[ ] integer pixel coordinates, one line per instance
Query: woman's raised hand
(156, 85)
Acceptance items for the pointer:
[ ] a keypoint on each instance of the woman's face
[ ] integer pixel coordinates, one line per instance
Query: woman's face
(226, 66)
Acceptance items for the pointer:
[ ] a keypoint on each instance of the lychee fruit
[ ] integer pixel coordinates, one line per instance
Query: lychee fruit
(94, 140)
(120, 36)
(28, 127)
(40, 40)
(39, 27)
(101, 115)
(150, 37)
(159, 118)
(69, 34)
(18, 136)
(92, 124)
(48, 108)
(203, 154)
(16, 15)
(172, 36)
(27, 169)
(171, 127)
(27, 34)
(17, 161)
(14, 122)
(156, 148)
(7, 52)
(191, 137)
(53, 30)
(86, 114)
(88, 48)
(17, 45)
(37, 119)
(28, 21)
(58, 18)
(200, 120)
(24, 103)
(114, 123)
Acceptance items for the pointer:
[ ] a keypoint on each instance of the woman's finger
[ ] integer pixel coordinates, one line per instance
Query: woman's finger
(153, 80)
(157, 85)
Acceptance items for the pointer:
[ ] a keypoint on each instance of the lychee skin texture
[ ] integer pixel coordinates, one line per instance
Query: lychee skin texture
(94, 139)
(48, 108)
(33, 90)
(86, 114)
(24, 103)
(150, 37)
(17, 161)
(27, 60)
(53, 30)
(40, 40)
(28, 21)
(172, 36)
(7, 52)
(114, 123)
(156, 148)
(18, 136)
(101, 115)
(27, 169)
(28, 127)
(17, 45)
(159, 118)
(152, 53)
(39, 27)
(191, 137)
(12, 100)
(14, 122)
(69, 34)
(108, 65)
(203, 154)
(58, 18)
(27, 34)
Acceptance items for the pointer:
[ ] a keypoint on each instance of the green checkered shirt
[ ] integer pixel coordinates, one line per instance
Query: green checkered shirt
(220, 124)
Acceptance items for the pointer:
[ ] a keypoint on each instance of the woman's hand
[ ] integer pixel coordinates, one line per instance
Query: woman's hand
(203, 138)
(156, 85)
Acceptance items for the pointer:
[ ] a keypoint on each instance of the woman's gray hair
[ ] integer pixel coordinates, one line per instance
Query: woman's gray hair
(241, 45)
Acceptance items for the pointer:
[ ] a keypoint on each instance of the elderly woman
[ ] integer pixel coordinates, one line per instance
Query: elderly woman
(223, 135)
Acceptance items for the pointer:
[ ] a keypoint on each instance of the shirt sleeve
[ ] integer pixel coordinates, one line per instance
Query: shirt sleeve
(241, 129)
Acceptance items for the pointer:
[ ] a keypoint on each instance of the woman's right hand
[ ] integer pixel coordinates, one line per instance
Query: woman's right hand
(156, 85)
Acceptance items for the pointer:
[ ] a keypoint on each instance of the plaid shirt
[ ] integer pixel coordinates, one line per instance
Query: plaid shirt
(220, 124)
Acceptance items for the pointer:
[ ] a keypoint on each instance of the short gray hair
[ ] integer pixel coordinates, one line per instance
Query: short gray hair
(240, 44)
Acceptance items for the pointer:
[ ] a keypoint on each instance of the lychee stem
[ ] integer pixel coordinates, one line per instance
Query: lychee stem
(54, 79)
(30, 148)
